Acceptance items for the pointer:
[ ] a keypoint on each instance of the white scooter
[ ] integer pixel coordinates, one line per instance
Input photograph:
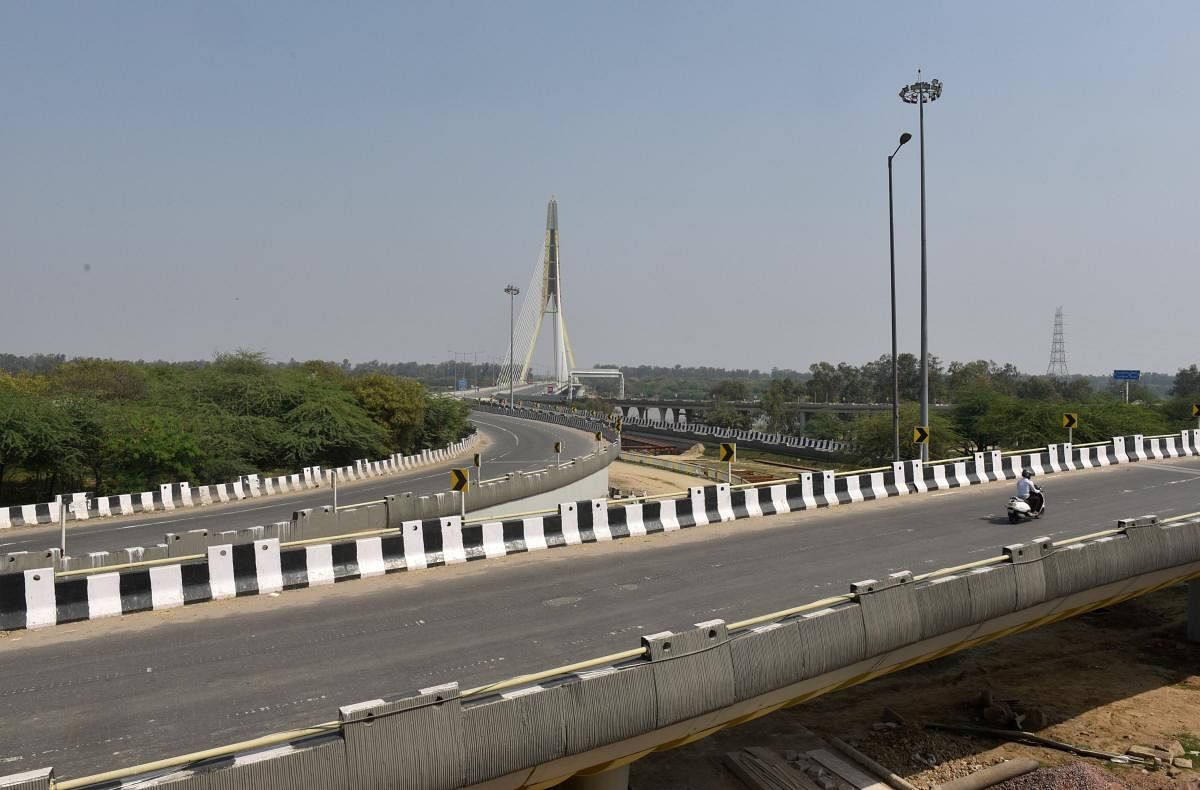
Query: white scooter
(1034, 507)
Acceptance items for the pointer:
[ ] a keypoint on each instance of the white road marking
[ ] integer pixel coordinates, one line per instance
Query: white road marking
(1185, 469)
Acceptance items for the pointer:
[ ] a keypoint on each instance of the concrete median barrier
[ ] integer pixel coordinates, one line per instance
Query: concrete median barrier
(692, 670)
(512, 730)
(766, 657)
(889, 610)
(429, 724)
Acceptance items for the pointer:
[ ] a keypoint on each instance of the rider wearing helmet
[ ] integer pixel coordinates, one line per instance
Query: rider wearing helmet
(1028, 491)
(1025, 485)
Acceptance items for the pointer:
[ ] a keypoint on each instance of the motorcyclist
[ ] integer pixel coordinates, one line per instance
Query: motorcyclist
(1027, 490)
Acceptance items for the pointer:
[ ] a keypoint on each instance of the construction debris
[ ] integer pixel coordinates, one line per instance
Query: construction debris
(815, 769)
(763, 769)
(1027, 737)
(896, 782)
(993, 775)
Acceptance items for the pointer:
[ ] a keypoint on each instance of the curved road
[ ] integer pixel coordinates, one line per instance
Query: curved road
(512, 444)
(99, 695)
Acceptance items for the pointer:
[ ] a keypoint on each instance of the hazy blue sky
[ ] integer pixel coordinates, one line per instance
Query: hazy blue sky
(361, 180)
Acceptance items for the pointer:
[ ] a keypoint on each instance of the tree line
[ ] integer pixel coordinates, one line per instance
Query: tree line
(109, 426)
(989, 405)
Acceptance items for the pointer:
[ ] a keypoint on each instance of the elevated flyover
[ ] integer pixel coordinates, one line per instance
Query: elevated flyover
(511, 444)
(678, 409)
(213, 680)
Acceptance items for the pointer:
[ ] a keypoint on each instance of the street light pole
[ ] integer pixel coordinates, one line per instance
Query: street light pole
(904, 138)
(512, 292)
(919, 93)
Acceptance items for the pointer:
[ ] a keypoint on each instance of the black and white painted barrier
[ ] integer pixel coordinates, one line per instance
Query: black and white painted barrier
(174, 496)
(800, 446)
(774, 442)
(681, 684)
(428, 543)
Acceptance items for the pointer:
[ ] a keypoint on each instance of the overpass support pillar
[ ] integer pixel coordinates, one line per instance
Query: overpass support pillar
(681, 416)
(803, 421)
(1193, 626)
(612, 779)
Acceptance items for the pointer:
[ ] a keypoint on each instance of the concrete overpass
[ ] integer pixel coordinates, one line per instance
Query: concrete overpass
(677, 410)
(481, 623)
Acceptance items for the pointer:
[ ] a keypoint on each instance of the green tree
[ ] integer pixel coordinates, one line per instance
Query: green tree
(153, 447)
(730, 390)
(1041, 388)
(97, 429)
(871, 436)
(722, 415)
(778, 401)
(826, 383)
(825, 425)
(1187, 383)
(102, 379)
(331, 429)
(397, 404)
(446, 421)
(18, 413)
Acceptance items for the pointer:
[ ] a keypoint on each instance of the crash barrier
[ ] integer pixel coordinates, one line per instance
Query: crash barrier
(173, 496)
(30, 586)
(799, 446)
(539, 729)
(682, 467)
(399, 532)
(584, 421)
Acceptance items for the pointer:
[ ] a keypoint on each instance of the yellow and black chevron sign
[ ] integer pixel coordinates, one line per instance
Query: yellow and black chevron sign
(921, 434)
(478, 460)
(599, 436)
(1196, 409)
(728, 452)
(459, 480)
(558, 447)
(1070, 420)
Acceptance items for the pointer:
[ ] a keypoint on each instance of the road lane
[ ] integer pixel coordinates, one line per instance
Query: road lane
(513, 444)
(96, 695)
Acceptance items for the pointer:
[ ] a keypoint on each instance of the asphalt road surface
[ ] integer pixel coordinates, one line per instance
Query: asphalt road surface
(99, 695)
(512, 444)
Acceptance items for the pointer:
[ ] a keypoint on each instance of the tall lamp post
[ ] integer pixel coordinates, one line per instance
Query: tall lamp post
(512, 292)
(919, 93)
(904, 138)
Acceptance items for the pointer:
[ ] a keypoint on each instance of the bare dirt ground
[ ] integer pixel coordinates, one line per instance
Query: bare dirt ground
(635, 477)
(1106, 681)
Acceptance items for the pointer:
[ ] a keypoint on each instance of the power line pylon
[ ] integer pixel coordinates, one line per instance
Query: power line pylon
(1058, 349)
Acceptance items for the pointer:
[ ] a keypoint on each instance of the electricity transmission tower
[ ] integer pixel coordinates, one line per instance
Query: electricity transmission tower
(1058, 348)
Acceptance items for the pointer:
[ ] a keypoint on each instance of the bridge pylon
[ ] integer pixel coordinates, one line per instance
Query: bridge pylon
(543, 298)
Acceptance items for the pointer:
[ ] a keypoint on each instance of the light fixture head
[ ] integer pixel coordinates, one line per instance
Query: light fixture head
(921, 92)
(905, 137)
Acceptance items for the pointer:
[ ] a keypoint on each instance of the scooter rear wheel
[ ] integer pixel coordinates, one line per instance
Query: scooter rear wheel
(1013, 517)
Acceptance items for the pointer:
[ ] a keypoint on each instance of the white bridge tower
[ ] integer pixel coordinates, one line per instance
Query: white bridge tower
(543, 298)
